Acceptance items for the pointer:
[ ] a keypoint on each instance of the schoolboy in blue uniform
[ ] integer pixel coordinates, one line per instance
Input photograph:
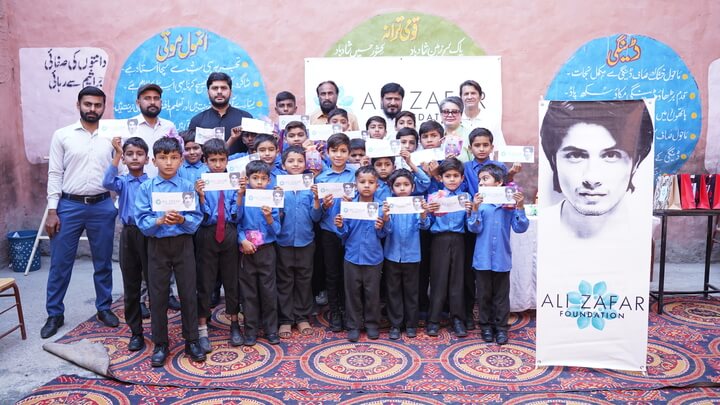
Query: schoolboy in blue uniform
(133, 244)
(170, 251)
(193, 166)
(338, 151)
(385, 166)
(217, 247)
(266, 146)
(363, 261)
(492, 258)
(296, 250)
(257, 231)
(447, 254)
(402, 259)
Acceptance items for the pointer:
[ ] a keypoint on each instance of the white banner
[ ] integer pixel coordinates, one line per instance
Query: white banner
(360, 80)
(595, 226)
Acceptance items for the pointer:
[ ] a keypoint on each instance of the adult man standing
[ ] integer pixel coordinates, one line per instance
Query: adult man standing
(327, 92)
(391, 99)
(77, 201)
(221, 113)
(150, 126)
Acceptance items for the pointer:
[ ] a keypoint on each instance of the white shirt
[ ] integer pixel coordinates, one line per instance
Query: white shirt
(151, 134)
(481, 121)
(78, 160)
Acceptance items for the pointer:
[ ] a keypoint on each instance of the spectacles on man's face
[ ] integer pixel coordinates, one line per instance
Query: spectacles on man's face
(450, 112)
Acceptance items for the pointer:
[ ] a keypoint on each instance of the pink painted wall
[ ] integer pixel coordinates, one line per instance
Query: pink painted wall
(533, 38)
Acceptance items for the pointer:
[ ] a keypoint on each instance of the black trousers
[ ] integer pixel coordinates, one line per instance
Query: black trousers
(362, 295)
(167, 256)
(424, 271)
(294, 283)
(134, 268)
(447, 262)
(257, 282)
(333, 254)
(214, 260)
(469, 276)
(401, 281)
(493, 297)
(318, 276)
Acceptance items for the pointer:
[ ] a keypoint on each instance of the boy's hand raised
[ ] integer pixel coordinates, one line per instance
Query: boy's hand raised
(339, 221)
(328, 201)
(477, 200)
(386, 211)
(379, 223)
(519, 200)
(117, 144)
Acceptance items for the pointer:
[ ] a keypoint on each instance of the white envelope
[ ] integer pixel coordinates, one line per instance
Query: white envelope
(259, 198)
(203, 135)
(382, 147)
(295, 182)
(357, 134)
(238, 165)
(221, 181)
(453, 203)
(283, 120)
(177, 201)
(520, 154)
(320, 132)
(497, 195)
(110, 129)
(256, 126)
(427, 155)
(405, 205)
(336, 189)
(360, 210)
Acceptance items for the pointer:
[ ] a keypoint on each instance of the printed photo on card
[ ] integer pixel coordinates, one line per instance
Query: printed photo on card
(256, 126)
(405, 205)
(497, 195)
(380, 148)
(110, 129)
(520, 154)
(336, 189)
(238, 165)
(313, 160)
(453, 203)
(283, 120)
(295, 182)
(452, 145)
(359, 210)
(427, 155)
(162, 202)
(203, 135)
(221, 181)
(319, 132)
(261, 198)
(357, 134)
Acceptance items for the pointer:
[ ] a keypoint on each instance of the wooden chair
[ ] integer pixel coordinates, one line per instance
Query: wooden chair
(5, 285)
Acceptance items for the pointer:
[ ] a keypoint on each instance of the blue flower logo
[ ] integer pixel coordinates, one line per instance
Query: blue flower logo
(592, 304)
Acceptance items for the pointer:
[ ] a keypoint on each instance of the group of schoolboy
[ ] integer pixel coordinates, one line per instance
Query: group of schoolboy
(436, 262)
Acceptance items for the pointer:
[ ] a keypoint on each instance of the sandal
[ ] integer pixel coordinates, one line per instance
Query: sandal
(285, 331)
(305, 328)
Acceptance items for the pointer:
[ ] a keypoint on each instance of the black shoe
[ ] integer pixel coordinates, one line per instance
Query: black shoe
(353, 335)
(432, 329)
(250, 340)
(173, 303)
(214, 298)
(411, 332)
(336, 322)
(193, 349)
(236, 338)
(160, 353)
(501, 337)
(273, 339)
(51, 326)
(487, 335)
(470, 324)
(108, 318)
(137, 343)
(205, 345)
(394, 333)
(372, 333)
(144, 311)
(459, 328)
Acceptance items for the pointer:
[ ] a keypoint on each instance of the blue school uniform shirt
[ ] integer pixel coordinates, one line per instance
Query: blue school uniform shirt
(126, 187)
(146, 218)
(363, 246)
(298, 216)
(421, 180)
(210, 208)
(251, 221)
(492, 223)
(451, 221)
(471, 173)
(192, 171)
(329, 176)
(402, 243)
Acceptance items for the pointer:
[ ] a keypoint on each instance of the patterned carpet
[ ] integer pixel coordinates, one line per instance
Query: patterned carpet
(683, 351)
